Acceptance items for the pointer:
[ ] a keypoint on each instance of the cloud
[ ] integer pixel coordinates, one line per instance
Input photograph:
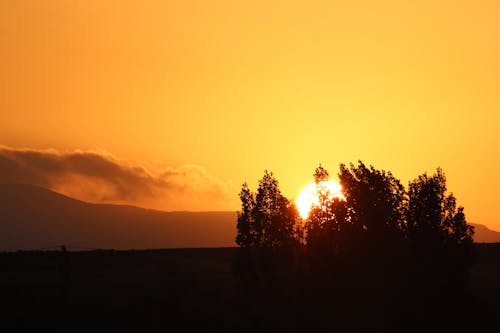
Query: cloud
(96, 176)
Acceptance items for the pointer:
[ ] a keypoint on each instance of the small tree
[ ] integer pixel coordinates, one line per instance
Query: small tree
(321, 175)
(320, 214)
(244, 226)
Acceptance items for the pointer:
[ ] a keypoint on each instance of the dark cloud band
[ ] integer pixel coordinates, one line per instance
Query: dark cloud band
(99, 177)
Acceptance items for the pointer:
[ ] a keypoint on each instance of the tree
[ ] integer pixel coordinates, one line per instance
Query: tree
(441, 239)
(377, 198)
(320, 213)
(329, 221)
(268, 228)
(433, 216)
(380, 244)
(244, 226)
(274, 215)
(267, 219)
(288, 224)
(320, 175)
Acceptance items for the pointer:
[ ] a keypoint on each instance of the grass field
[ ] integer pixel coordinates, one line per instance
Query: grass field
(181, 289)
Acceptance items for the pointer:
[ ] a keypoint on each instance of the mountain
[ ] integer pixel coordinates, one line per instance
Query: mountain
(484, 235)
(32, 217)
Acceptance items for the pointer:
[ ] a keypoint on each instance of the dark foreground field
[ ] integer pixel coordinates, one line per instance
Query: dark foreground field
(194, 289)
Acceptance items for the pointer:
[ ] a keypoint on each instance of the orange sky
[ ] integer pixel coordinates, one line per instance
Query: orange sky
(239, 86)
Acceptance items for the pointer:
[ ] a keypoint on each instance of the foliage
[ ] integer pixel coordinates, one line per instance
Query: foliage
(328, 221)
(377, 199)
(267, 219)
(437, 229)
(433, 216)
(380, 250)
(245, 236)
(320, 175)
(377, 229)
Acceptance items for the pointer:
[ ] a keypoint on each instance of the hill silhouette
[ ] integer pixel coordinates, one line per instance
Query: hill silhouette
(485, 235)
(32, 217)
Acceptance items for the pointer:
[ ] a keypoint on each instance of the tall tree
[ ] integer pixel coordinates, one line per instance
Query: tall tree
(329, 219)
(267, 218)
(377, 198)
(433, 216)
(274, 217)
(439, 234)
(245, 224)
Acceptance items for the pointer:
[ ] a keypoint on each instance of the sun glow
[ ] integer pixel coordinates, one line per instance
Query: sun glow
(309, 196)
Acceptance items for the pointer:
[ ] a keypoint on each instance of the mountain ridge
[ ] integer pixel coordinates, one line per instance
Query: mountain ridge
(46, 218)
(41, 218)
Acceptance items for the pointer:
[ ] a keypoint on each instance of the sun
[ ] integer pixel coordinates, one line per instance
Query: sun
(310, 196)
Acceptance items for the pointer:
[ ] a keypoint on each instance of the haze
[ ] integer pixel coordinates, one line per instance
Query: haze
(161, 91)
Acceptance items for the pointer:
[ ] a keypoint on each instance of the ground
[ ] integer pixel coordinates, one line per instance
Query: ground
(185, 289)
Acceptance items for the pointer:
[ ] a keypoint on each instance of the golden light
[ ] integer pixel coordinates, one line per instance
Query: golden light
(309, 196)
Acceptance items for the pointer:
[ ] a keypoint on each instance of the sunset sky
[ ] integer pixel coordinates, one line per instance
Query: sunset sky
(174, 104)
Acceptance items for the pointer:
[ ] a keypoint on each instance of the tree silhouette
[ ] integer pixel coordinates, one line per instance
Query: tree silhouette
(320, 175)
(272, 227)
(328, 221)
(433, 216)
(268, 229)
(380, 250)
(377, 198)
(245, 237)
(438, 230)
(267, 218)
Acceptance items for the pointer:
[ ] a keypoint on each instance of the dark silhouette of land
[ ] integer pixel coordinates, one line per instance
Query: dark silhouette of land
(195, 289)
(208, 288)
(381, 257)
(485, 235)
(32, 217)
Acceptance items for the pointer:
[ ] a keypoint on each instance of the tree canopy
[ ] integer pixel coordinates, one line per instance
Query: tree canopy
(375, 213)
(379, 249)
(267, 218)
